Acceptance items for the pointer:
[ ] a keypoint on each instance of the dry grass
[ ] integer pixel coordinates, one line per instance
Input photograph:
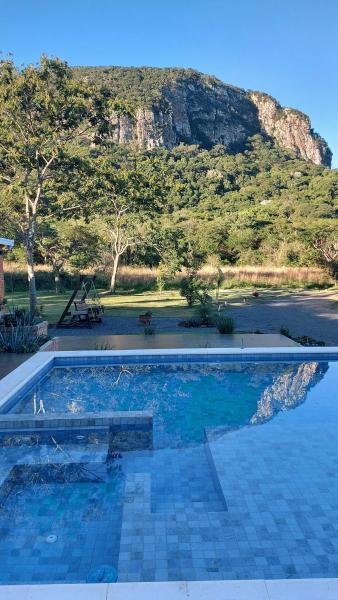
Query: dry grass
(145, 277)
(258, 275)
(255, 276)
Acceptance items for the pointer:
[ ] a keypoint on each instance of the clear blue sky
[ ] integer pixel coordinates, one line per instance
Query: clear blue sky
(288, 48)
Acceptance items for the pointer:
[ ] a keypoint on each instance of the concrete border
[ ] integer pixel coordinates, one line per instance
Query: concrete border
(251, 589)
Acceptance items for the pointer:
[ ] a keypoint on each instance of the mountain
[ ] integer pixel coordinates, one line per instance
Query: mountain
(167, 107)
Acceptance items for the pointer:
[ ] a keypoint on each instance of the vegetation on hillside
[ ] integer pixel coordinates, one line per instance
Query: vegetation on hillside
(74, 200)
(139, 86)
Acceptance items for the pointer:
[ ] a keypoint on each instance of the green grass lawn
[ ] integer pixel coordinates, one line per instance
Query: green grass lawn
(169, 303)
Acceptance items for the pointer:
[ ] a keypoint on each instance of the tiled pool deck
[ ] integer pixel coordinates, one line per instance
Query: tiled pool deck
(186, 339)
(270, 508)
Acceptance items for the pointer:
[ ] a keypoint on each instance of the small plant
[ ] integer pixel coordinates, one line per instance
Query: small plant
(303, 340)
(105, 346)
(306, 340)
(205, 314)
(19, 339)
(225, 324)
(149, 330)
(19, 336)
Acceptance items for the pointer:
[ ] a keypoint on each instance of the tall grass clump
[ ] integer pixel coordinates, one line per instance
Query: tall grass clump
(225, 324)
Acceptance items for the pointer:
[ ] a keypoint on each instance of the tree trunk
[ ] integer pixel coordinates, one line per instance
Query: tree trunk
(29, 247)
(31, 280)
(114, 274)
(57, 281)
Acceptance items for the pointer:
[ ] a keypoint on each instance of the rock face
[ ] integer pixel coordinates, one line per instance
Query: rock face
(288, 389)
(191, 113)
(291, 129)
(173, 106)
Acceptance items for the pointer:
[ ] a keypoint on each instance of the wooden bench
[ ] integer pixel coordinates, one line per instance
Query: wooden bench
(81, 314)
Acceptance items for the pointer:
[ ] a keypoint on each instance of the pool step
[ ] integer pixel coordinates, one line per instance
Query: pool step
(212, 434)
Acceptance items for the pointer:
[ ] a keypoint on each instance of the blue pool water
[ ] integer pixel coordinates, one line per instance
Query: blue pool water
(242, 481)
(184, 399)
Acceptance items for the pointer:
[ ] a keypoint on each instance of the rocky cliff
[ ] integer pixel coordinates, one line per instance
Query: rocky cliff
(291, 129)
(288, 390)
(171, 106)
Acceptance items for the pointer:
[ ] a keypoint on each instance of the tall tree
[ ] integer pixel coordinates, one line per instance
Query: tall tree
(42, 112)
(126, 203)
(67, 243)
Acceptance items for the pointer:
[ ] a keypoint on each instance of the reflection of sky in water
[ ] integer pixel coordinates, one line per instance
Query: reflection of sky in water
(184, 398)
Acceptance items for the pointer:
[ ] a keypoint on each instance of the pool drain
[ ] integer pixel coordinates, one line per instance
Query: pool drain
(50, 539)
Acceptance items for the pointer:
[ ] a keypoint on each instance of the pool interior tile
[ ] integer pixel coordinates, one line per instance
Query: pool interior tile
(159, 515)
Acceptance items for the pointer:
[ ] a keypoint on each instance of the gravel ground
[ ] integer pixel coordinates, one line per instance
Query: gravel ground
(303, 314)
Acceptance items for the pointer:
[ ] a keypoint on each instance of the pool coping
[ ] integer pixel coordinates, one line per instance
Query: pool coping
(251, 589)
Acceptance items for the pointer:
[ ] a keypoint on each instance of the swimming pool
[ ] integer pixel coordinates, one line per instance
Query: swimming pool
(241, 481)
(185, 399)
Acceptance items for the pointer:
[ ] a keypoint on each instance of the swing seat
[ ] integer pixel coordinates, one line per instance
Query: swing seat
(86, 309)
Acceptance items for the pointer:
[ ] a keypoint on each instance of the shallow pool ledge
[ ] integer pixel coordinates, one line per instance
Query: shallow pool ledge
(257, 589)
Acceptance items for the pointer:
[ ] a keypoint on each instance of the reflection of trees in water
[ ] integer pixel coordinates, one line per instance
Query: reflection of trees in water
(289, 389)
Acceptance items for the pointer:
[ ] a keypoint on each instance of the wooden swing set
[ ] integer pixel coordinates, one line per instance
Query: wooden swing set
(83, 307)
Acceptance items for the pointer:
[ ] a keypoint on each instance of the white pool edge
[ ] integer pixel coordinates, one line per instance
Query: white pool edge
(254, 589)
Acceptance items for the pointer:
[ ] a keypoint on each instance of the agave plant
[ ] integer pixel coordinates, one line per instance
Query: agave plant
(20, 338)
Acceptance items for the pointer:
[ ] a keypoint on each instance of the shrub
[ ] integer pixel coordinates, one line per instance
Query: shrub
(193, 289)
(192, 322)
(225, 324)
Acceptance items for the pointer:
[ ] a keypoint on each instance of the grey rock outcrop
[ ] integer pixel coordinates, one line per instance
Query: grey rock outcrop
(291, 129)
(173, 106)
